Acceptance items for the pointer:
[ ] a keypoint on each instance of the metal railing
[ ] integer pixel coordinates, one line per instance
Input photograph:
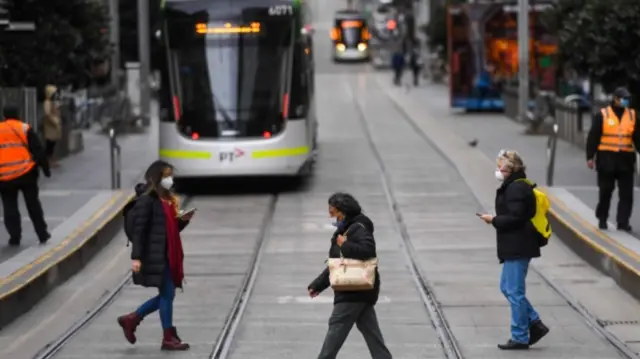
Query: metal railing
(116, 160)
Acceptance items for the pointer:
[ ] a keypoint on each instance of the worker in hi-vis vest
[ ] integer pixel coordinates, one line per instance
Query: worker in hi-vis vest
(21, 154)
(611, 149)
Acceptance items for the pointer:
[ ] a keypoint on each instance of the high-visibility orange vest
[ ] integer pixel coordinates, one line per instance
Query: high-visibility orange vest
(617, 134)
(15, 158)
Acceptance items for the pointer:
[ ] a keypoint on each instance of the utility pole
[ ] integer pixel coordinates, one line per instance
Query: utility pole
(114, 38)
(144, 58)
(523, 58)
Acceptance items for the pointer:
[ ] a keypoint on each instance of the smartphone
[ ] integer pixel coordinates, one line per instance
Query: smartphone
(183, 212)
(478, 214)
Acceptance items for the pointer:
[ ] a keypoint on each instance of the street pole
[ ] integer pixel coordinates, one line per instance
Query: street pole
(144, 58)
(114, 37)
(523, 58)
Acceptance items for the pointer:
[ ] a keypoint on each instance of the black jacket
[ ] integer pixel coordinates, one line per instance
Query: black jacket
(360, 245)
(515, 206)
(149, 239)
(608, 161)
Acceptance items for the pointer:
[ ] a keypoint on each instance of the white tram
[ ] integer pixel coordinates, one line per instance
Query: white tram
(237, 96)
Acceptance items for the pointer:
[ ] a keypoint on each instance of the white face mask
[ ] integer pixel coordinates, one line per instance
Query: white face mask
(499, 175)
(167, 182)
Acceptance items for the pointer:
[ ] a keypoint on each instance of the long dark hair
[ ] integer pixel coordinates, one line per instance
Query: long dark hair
(154, 175)
(346, 204)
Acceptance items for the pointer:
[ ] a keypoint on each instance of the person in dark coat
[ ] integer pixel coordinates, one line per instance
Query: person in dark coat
(157, 255)
(517, 244)
(356, 307)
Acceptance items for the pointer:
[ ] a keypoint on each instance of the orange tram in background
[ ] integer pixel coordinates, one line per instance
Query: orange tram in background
(483, 52)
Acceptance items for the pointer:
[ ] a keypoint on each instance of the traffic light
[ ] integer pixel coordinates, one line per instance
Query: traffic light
(4, 13)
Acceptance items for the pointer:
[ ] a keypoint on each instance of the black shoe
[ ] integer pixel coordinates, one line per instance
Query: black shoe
(624, 227)
(511, 345)
(602, 224)
(14, 242)
(45, 239)
(537, 331)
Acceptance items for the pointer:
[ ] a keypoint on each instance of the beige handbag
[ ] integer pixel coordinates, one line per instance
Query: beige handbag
(350, 275)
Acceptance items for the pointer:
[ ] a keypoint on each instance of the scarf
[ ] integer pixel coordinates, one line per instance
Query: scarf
(175, 255)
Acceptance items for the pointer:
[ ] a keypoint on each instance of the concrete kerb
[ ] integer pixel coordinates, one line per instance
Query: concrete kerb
(595, 247)
(21, 290)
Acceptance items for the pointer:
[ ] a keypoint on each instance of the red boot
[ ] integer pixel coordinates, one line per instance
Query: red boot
(170, 341)
(174, 331)
(129, 323)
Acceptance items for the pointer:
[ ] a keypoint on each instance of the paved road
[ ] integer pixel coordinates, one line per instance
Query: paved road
(590, 288)
(455, 251)
(495, 132)
(80, 177)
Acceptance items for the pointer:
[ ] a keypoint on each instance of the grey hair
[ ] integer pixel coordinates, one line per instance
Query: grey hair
(511, 160)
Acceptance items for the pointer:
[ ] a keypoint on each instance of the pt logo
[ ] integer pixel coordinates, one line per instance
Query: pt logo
(230, 156)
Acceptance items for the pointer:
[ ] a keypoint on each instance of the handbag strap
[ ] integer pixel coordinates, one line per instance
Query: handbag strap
(345, 234)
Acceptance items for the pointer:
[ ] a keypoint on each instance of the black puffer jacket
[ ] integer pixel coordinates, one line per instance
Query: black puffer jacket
(515, 206)
(361, 245)
(149, 239)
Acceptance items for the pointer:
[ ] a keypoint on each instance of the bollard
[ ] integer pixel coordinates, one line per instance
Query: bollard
(116, 160)
(551, 154)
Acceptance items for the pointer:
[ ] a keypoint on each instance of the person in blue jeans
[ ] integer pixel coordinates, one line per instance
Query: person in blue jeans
(517, 243)
(157, 258)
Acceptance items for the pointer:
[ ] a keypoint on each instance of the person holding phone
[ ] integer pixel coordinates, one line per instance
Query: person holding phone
(518, 243)
(157, 255)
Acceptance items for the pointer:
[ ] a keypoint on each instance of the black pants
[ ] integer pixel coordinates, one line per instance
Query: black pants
(416, 75)
(397, 75)
(606, 184)
(28, 185)
(344, 316)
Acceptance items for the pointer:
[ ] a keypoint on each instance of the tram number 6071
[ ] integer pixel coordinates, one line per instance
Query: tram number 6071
(280, 10)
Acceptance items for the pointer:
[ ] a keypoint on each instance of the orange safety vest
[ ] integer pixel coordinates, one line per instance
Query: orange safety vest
(15, 158)
(617, 135)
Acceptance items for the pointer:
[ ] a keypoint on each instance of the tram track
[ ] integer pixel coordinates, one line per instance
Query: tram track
(447, 338)
(439, 322)
(590, 319)
(224, 340)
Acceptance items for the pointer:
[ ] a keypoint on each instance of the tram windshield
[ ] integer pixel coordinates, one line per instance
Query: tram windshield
(350, 31)
(229, 73)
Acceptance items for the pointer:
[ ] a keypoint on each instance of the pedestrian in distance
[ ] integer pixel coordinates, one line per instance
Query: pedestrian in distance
(21, 157)
(517, 243)
(415, 62)
(611, 148)
(351, 307)
(156, 255)
(52, 123)
(398, 64)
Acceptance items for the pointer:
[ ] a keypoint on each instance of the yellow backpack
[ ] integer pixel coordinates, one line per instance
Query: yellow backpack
(539, 219)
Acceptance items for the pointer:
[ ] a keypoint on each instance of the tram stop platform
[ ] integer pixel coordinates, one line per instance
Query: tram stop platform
(616, 253)
(85, 222)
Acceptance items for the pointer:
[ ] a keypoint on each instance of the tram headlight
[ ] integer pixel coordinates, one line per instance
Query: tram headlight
(362, 46)
(340, 47)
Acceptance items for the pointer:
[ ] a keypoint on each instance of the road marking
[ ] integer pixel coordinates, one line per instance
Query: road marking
(325, 299)
(65, 242)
